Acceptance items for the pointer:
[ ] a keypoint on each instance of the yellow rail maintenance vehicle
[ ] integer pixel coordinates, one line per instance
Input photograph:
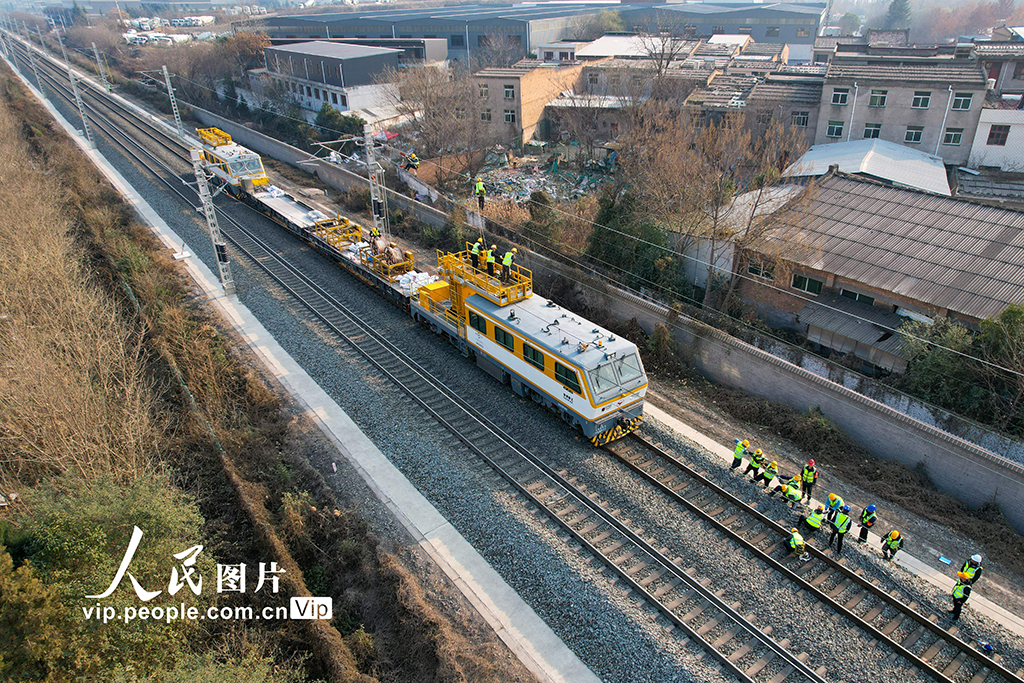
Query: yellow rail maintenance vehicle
(593, 379)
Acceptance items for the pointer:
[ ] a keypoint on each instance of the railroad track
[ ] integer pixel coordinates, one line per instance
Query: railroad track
(895, 624)
(743, 649)
(682, 599)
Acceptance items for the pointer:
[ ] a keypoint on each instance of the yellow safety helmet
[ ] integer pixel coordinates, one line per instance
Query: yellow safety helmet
(758, 452)
(480, 240)
(494, 246)
(793, 530)
(514, 250)
(746, 443)
(774, 464)
(894, 534)
(831, 497)
(821, 508)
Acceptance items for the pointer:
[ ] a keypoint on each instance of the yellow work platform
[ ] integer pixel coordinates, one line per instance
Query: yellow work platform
(459, 267)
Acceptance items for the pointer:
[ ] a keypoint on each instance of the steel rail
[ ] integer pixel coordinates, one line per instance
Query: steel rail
(922, 621)
(292, 281)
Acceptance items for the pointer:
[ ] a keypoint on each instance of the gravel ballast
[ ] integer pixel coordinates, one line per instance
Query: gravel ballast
(613, 633)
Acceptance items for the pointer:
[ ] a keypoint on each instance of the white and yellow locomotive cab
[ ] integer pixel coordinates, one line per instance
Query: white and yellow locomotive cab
(237, 166)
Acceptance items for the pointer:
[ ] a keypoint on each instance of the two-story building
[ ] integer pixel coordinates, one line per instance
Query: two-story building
(316, 73)
(933, 105)
(512, 99)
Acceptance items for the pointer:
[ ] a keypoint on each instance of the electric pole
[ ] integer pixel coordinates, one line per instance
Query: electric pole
(219, 246)
(174, 103)
(378, 191)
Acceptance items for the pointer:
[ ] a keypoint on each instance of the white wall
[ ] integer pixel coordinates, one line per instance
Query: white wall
(1009, 157)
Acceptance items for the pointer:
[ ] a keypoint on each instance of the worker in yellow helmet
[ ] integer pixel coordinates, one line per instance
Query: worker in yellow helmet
(768, 474)
(757, 461)
(474, 253)
(796, 542)
(506, 264)
(491, 260)
(891, 543)
(739, 451)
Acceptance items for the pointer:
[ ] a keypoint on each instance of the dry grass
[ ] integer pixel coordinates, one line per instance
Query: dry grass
(73, 397)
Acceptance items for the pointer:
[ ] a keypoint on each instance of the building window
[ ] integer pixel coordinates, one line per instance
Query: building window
(745, 30)
(953, 136)
(334, 98)
(460, 113)
(771, 32)
(878, 98)
(962, 101)
(510, 92)
(309, 91)
(510, 116)
(872, 130)
(717, 30)
(457, 40)
(803, 33)
(568, 377)
(533, 356)
(997, 135)
(549, 56)
(592, 78)
(835, 129)
(806, 284)
(922, 98)
(1018, 71)
(801, 118)
(477, 322)
(485, 90)
(485, 115)
(764, 118)
(613, 80)
(565, 56)
(316, 93)
(913, 135)
(504, 338)
(761, 269)
(344, 101)
(863, 298)
(840, 96)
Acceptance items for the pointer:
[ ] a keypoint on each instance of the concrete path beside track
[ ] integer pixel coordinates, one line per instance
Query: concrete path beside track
(515, 622)
(1011, 621)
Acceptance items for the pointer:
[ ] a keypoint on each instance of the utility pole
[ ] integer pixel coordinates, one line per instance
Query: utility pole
(211, 220)
(378, 191)
(99, 67)
(74, 88)
(32, 60)
(174, 103)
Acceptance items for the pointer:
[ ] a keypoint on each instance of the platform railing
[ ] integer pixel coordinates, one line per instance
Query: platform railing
(518, 287)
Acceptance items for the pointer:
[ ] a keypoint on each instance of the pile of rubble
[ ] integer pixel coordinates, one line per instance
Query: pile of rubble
(510, 177)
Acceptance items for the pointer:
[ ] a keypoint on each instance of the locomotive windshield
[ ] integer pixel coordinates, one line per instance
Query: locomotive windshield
(628, 368)
(603, 377)
(245, 165)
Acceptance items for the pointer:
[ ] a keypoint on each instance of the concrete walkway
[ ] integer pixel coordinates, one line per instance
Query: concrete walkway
(515, 622)
(912, 564)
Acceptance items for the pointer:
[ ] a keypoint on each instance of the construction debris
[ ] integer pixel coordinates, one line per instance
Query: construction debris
(514, 178)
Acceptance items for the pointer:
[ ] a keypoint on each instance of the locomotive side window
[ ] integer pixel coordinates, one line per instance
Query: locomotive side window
(533, 356)
(568, 378)
(628, 368)
(477, 322)
(504, 338)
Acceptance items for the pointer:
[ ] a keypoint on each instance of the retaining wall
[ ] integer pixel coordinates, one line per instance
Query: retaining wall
(971, 473)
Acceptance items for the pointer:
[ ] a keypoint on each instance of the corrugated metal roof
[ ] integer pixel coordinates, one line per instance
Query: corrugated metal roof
(921, 73)
(867, 324)
(878, 158)
(941, 251)
(794, 92)
(320, 48)
(989, 50)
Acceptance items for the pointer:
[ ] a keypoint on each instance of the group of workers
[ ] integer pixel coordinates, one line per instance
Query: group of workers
(481, 254)
(836, 516)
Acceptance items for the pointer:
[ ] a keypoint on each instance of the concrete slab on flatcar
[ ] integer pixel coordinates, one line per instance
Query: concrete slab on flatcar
(1009, 620)
(515, 622)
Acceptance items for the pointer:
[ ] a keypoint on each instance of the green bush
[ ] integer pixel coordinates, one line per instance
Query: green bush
(75, 537)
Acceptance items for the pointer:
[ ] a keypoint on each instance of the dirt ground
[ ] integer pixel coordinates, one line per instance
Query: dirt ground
(693, 400)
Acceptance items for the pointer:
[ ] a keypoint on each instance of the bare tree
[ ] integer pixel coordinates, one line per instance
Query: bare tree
(497, 49)
(667, 40)
(442, 106)
(593, 26)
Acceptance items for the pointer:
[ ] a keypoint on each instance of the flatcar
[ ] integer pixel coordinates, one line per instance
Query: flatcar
(593, 379)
